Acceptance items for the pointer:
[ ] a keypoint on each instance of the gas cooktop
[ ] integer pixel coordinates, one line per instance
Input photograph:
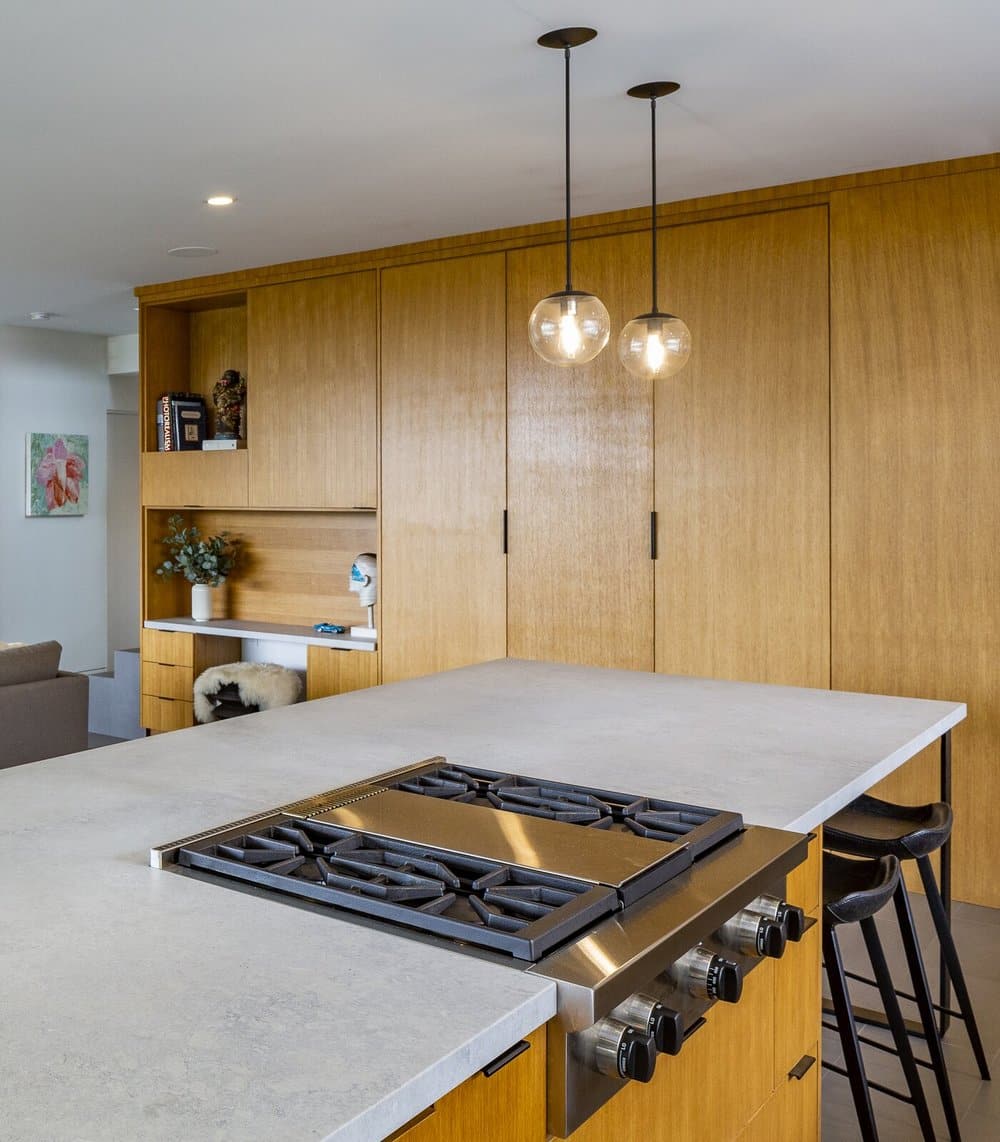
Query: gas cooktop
(494, 859)
(643, 910)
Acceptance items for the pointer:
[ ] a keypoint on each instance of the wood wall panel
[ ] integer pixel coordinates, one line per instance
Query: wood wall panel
(442, 569)
(916, 525)
(295, 566)
(312, 392)
(218, 343)
(580, 472)
(742, 453)
(164, 362)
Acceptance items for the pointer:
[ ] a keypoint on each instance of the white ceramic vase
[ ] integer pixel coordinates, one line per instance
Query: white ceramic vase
(201, 602)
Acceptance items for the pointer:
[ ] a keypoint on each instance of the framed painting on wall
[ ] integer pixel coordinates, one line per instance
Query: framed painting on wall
(57, 478)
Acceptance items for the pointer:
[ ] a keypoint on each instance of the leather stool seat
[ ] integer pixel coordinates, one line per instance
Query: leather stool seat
(853, 890)
(873, 828)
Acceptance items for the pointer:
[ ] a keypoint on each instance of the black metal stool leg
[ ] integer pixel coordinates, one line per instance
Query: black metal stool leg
(921, 989)
(897, 1026)
(848, 1035)
(936, 905)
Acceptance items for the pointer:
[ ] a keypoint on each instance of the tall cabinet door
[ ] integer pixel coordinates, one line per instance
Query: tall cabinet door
(742, 453)
(916, 525)
(580, 472)
(312, 393)
(442, 571)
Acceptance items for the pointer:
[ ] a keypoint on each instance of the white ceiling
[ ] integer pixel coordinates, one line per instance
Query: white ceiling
(343, 126)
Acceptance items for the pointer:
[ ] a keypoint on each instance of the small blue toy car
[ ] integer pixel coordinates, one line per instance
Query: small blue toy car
(328, 628)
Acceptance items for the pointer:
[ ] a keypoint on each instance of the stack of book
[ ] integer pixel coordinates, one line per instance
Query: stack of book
(180, 422)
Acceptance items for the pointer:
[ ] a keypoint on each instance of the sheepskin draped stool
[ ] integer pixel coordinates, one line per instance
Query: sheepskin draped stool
(243, 688)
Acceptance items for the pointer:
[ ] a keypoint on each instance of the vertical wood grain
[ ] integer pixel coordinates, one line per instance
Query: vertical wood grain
(218, 342)
(331, 671)
(442, 573)
(916, 527)
(164, 363)
(742, 453)
(312, 389)
(580, 474)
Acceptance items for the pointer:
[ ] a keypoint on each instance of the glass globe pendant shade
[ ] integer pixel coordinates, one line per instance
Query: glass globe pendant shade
(569, 328)
(654, 345)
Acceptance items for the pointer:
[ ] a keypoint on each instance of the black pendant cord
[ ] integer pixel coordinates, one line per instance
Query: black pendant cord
(569, 264)
(652, 121)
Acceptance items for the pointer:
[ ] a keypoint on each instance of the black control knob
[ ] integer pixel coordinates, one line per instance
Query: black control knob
(620, 1051)
(791, 918)
(645, 1013)
(636, 1056)
(728, 982)
(705, 975)
(668, 1030)
(753, 934)
(771, 940)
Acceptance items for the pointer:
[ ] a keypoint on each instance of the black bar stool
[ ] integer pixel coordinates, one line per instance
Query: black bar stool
(870, 827)
(853, 892)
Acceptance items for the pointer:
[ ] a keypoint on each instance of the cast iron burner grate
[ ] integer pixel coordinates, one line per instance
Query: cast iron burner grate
(654, 818)
(505, 907)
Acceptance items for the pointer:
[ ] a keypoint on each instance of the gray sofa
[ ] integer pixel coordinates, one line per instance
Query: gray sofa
(43, 710)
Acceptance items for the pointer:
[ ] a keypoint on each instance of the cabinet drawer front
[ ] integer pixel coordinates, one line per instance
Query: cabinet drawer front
(792, 1112)
(797, 1002)
(166, 713)
(330, 671)
(171, 647)
(160, 681)
(195, 479)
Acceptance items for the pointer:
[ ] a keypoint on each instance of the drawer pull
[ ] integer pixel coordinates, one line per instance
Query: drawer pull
(507, 1057)
(801, 1068)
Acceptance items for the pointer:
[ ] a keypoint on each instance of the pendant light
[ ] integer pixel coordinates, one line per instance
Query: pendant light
(655, 344)
(569, 327)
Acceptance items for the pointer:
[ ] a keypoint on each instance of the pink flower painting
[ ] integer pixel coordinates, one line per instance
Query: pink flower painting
(57, 474)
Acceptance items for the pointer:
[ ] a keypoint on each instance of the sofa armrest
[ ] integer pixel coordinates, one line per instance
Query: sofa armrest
(43, 719)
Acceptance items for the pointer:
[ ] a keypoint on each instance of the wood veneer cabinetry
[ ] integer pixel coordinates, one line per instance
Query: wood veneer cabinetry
(580, 579)
(171, 661)
(186, 347)
(742, 454)
(508, 1106)
(442, 570)
(331, 671)
(916, 403)
(313, 357)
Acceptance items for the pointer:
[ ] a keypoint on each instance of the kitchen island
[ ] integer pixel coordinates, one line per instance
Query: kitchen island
(139, 1004)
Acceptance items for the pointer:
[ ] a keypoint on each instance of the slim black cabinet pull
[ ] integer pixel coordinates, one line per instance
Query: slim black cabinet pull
(504, 531)
(508, 1056)
(652, 535)
(801, 1068)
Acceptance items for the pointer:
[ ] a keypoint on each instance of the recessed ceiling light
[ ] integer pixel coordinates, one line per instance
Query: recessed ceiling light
(192, 251)
(220, 200)
(41, 315)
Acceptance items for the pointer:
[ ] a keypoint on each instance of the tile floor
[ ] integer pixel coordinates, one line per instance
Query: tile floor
(977, 933)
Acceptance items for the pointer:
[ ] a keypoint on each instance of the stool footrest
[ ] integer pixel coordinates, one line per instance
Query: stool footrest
(871, 1084)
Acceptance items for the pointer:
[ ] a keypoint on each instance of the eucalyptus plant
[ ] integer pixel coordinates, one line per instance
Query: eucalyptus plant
(205, 561)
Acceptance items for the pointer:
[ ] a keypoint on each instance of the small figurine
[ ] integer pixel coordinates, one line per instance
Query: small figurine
(364, 583)
(229, 396)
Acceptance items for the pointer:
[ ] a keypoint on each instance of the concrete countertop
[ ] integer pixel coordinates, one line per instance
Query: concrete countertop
(143, 1005)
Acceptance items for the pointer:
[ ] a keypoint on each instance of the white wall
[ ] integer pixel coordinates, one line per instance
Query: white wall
(53, 571)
